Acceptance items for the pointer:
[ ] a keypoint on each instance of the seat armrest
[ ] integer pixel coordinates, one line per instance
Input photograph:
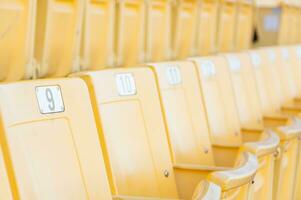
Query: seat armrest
(263, 147)
(199, 167)
(291, 108)
(289, 131)
(242, 175)
(279, 119)
(207, 191)
(252, 130)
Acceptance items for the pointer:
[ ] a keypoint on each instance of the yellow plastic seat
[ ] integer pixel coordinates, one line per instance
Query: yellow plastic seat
(244, 25)
(226, 25)
(184, 28)
(158, 30)
(249, 106)
(187, 126)
(49, 142)
(267, 22)
(230, 122)
(97, 48)
(268, 84)
(206, 28)
(130, 32)
(295, 62)
(57, 39)
(16, 39)
(133, 135)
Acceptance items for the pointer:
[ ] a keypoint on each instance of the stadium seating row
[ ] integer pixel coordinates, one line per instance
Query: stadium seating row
(50, 38)
(220, 127)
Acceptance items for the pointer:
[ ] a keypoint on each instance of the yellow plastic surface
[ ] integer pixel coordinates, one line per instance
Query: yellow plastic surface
(207, 27)
(244, 25)
(132, 133)
(97, 50)
(244, 110)
(130, 32)
(17, 21)
(223, 123)
(188, 129)
(187, 126)
(285, 167)
(57, 40)
(245, 90)
(285, 25)
(295, 60)
(250, 115)
(158, 30)
(285, 71)
(226, 25)
(50, 156)
(184, 28)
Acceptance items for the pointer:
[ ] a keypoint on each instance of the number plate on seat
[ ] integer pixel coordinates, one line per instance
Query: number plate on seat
(50, 99)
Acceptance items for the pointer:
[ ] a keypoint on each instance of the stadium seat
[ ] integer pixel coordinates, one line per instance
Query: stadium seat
(186, 120)
(58, 35)
(131, 126)
(130, 31)
(97, 50)
(207, 25)
(230, 123)
(244, 25)
(16, 39)
(288, 129)
(226, 25)
(159, 17)
(49, 142)
(184, 28)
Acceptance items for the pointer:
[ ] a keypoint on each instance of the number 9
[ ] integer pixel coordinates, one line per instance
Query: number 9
(49, 97)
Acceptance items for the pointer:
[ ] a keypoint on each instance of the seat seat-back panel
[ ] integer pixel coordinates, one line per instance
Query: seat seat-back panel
(245, 90)
(57, 41)
(133, 131)
(16, 39)
(55, 154)
(221, 109)
(98, 35)
(185, 113)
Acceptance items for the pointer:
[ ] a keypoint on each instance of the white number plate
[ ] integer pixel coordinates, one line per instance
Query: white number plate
(208, 68)
(255, 59)
(173, 75)
(125, 84)
(234, 63)
(50, 99)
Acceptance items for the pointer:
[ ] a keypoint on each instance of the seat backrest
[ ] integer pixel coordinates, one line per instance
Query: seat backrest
(130, 30)
(185, 114)
(285, 74)
(268, 87)
(97, 50)
(226, 25)
(221, 108)
(245, 89)
(206, 28)
(295, 56)
(244, 25)
(49, 141)
(57, 41)
(159, 17)
(17, 39)
(132, 131)
(184, 28)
